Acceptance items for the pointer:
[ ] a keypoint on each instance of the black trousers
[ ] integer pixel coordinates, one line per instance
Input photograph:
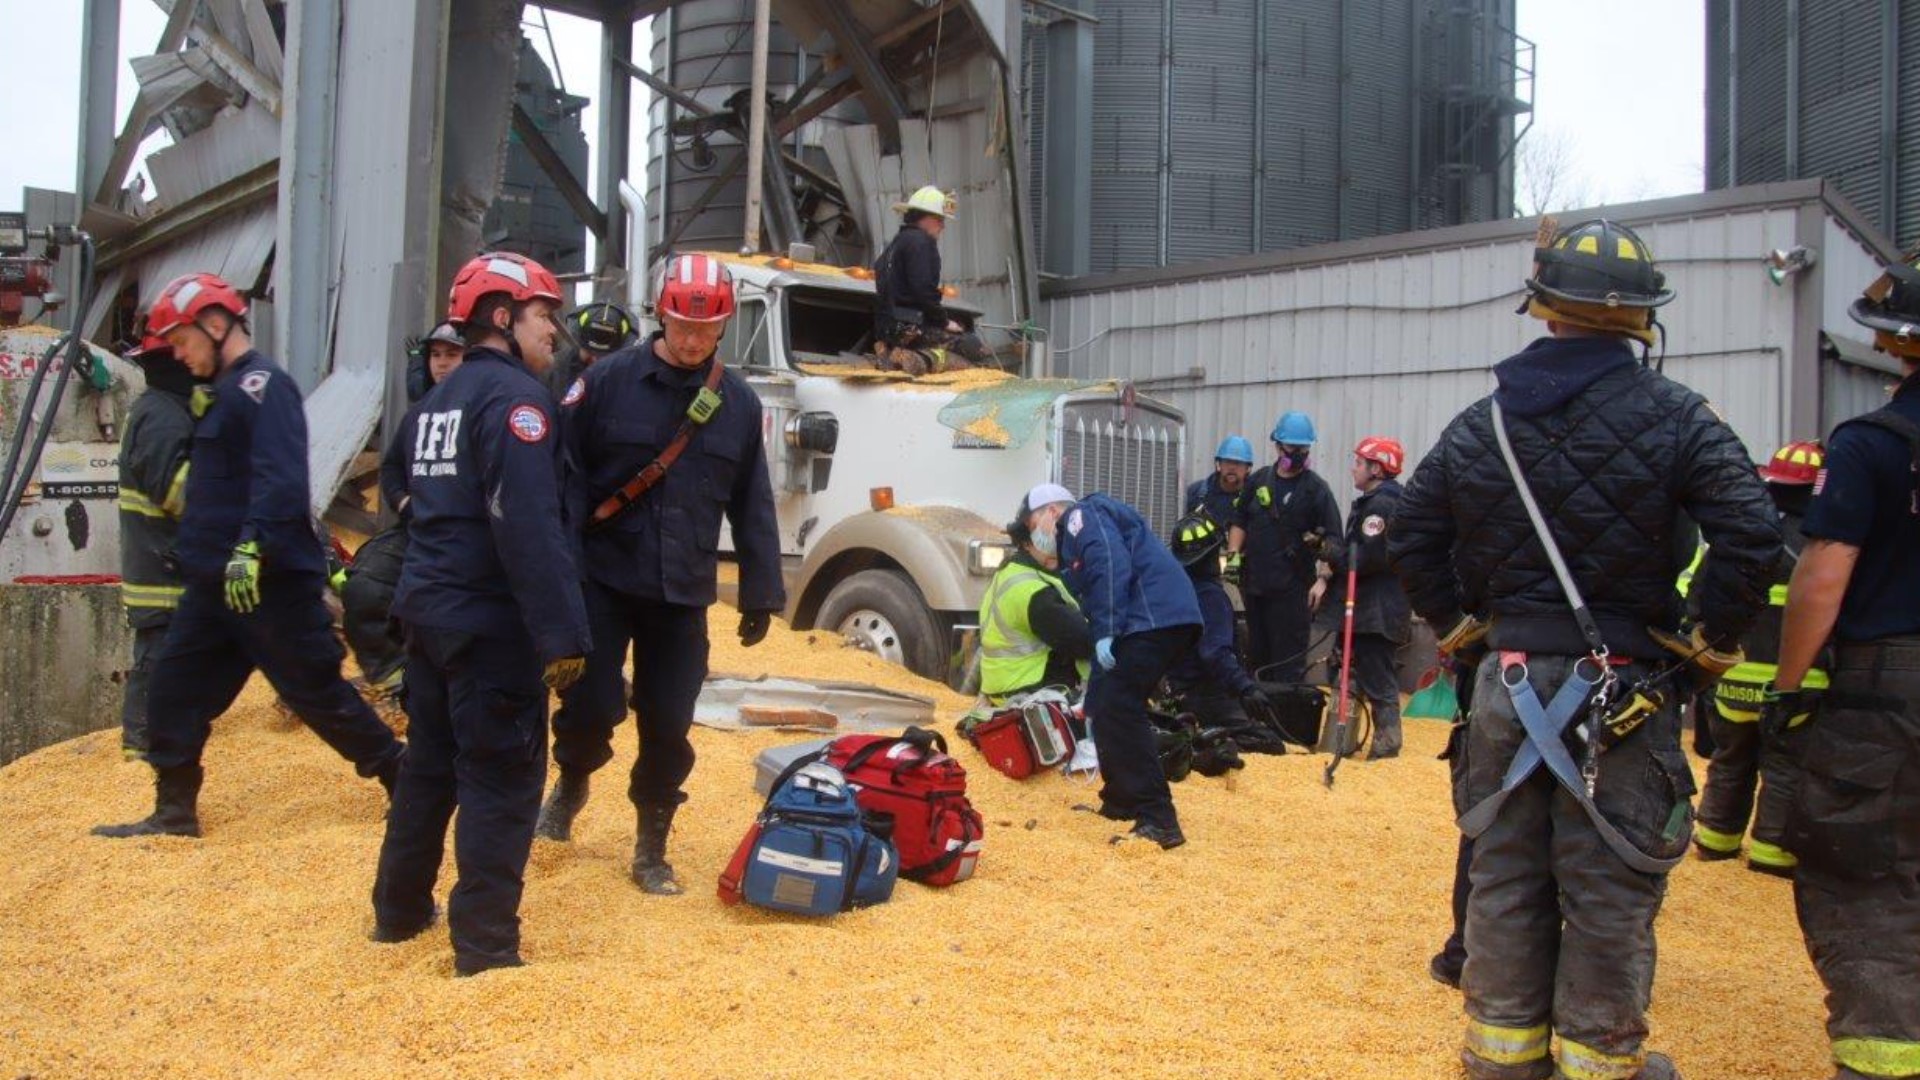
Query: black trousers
(1279, 630)
(1117, 707)
(669, 647)
(1377, 681)
(211, 650)
(147, 641)
(1856, 889)
(477, 713)
(366, 602)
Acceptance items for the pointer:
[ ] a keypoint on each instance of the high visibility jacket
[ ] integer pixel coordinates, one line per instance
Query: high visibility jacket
(1012, 655)
(153, 481)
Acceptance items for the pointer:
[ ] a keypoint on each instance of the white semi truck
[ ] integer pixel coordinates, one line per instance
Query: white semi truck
(893, 494)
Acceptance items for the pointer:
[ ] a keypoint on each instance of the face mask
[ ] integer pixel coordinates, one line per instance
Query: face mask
(1046, 541)
(1294, 462)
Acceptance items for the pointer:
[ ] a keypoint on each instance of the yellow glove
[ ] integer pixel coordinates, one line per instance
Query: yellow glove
(1711, 662)
(564, 672)
(243, 577)
(1465, 634)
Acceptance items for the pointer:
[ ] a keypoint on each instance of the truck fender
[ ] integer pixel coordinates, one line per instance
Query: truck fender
(928, 543)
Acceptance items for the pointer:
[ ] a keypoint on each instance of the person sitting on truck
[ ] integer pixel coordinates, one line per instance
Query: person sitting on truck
(1144, 617)
(1032, 634)
(911, 328)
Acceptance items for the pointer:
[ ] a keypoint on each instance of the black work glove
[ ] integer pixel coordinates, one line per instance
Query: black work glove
(1783, 707)
(753, 627)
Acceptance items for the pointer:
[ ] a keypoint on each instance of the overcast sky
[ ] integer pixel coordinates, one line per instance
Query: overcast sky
(1620, 84)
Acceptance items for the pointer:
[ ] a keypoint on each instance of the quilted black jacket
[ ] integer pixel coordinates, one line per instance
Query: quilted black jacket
(1621, 460)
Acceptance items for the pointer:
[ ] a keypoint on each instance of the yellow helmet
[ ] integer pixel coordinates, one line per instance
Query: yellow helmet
(928, 200)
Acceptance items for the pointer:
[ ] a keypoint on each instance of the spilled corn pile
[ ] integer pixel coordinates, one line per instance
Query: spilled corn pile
(1289, 938)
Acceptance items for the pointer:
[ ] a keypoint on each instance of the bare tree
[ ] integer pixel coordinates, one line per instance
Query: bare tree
(1548, 176)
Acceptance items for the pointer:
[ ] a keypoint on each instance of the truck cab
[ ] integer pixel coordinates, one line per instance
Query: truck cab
(893, 493)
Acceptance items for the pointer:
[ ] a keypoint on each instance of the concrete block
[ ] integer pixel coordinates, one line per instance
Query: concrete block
(67, 650)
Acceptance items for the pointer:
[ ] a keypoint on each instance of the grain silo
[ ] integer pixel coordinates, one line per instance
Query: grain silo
(1224, 127)
(1797, 89)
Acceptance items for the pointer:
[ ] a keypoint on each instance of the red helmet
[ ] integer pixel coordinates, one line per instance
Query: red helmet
(696, 288)
(1796, 464)
(1382, 451)
(519, 277)
(185, 297)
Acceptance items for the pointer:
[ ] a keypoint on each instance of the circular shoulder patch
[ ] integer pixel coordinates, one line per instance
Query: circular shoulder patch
(254, 383)
(1374, 525)
(575, 392)
(527, 423)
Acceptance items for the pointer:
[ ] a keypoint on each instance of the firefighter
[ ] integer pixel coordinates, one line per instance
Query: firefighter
(1219, 493)
(666, 441)
(1743, 759)
(251, 561)
(1211, 681)
(597, 329)
(1382, 621)
(1284, 545)
(912, 329)
(153, 483)
(1032, 634)
(366, 588)
(494, 618)
(1857, 803)
(1144, 618)
(1571, 845)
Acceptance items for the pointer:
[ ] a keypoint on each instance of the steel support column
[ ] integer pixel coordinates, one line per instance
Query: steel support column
(883, 98)
(99, 80)
(616, 125)
(1793, 90)
(1890, 121)
(550, 162)
(1069, 148)
(304, 256)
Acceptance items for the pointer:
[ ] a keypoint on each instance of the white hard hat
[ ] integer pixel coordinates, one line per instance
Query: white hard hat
(929, 200)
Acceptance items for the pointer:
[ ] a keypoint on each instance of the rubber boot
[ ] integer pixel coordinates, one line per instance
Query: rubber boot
(176, 794)
(563, 804)
(1658, 1067)
(650, 868)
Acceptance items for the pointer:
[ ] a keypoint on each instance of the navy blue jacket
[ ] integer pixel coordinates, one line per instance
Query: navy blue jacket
(1214, 659)
(1380, 605)
(1868, 496)
(619, 415)
(1126, 580)
(247, 478)
(1222, 506)
(906, 281)
(1277, 512)
(488, 551)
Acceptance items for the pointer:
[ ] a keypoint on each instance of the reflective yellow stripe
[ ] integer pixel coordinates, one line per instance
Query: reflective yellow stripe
(1777, 596)
(1579, 1061)
(1507, 1045)
(175, 503)
(1878, 1057)
(1765, 854)
(1685, 583)
(135, 503)
(1714, 840)
(151, 596)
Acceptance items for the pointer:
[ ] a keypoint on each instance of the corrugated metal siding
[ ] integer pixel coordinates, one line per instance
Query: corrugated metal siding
(1212, 130)
(1716, 145)
(1847, 390)
(1126, 134)
(1763, 90)
(1379, 120)
(1840, 99)
(1396, 343)
(1906, 226)
(1301, 191)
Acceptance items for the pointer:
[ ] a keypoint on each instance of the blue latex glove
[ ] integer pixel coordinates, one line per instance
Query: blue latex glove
(1103, 652)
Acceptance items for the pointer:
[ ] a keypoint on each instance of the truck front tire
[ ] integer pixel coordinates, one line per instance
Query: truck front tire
(882, 612)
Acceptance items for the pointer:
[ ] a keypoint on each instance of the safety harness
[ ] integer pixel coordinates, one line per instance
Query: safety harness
(1592, 683)
(705, 403)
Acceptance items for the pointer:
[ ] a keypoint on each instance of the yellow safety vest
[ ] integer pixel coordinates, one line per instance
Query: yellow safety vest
(1012, 656)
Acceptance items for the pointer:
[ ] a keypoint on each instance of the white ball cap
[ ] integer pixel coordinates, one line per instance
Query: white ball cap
(1047, 495)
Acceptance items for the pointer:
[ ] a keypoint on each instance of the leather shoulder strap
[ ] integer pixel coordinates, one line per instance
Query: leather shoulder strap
(656, 470)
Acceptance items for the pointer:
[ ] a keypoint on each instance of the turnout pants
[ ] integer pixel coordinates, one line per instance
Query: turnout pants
(669, 647)
(210, 651)
(477, 734)
(1279, 631)
(1856, 830)
(1559, 929)
(1379, 683)
(1135, 787)
(1745, 764)
(366, 601)
(134, 738)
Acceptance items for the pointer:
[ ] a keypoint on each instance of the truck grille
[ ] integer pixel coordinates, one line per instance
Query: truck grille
(1136, 460)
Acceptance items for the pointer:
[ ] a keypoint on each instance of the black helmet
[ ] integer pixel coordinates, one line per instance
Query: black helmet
(1598, 262)
(1195, 537)
(601, 327)
(1892, 302)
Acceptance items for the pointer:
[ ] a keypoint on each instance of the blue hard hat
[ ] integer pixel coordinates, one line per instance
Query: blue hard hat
(1234, 448)
(1294, 429)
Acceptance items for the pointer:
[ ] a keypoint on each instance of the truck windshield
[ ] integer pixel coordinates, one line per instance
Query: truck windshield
(824, 323)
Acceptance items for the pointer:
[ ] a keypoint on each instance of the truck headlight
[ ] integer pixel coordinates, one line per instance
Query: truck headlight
(984, 557)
